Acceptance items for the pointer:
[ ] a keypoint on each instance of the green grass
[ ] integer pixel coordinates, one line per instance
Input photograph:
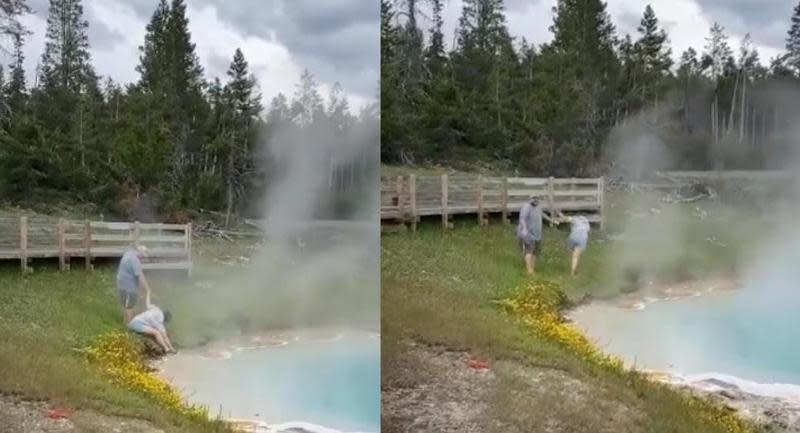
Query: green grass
(48, 316)
(437, 288)
(45, 319)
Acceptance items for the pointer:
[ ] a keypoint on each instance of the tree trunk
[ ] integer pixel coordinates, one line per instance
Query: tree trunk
(229, 194)
(80, 136)
(497, 96)
(230, 180)
(729, 125)
(743, 115)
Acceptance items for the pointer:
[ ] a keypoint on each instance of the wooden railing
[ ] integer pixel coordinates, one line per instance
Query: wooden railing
(27, 238)
(408, 198)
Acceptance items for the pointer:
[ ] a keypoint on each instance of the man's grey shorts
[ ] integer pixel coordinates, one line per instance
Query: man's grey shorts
(128, 299)
(531, 247)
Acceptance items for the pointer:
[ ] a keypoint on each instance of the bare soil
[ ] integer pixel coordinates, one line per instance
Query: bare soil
(25, 416)
(508, 397)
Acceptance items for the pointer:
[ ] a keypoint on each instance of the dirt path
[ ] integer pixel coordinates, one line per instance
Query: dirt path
(508, 397)
(22, 416)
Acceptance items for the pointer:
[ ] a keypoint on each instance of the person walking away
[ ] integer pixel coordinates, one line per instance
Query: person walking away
(578, 239)
(529, 232)
(151, 322)
(131, 280)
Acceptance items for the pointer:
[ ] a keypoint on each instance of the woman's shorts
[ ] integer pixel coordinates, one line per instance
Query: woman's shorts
(137, 326)
(578, 242)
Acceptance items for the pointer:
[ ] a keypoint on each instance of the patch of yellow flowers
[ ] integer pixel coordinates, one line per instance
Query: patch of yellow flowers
(538, 305)
(120, 357)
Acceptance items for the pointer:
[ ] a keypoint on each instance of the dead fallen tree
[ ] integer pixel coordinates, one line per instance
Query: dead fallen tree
(209, 229)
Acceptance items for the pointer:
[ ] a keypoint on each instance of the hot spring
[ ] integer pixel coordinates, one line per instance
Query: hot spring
(750, 333)
(315, 380)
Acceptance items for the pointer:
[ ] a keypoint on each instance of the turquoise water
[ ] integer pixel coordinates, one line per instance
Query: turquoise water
(751, 333)
(333, 384)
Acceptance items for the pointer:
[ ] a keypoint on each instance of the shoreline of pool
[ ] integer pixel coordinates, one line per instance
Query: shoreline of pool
(226, 349)
(774, 404)
(257, 426)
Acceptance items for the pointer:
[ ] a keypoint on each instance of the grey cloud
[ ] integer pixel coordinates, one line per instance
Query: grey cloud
(766, 21)
(39, 7)
(218, 66)
(103, 37)
(336, 40)
(143, 8)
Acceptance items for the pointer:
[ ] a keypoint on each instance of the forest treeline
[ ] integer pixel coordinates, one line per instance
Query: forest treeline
(175, 137)
(566, 106)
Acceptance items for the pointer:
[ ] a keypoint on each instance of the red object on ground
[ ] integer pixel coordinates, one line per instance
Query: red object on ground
(478, 364)
(57, 414)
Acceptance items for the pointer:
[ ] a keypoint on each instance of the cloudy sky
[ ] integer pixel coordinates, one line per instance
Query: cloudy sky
(337, 40)
(686, 21)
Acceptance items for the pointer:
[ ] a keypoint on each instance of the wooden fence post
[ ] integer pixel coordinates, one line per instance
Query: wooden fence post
(189, 246)
(23, 243)
(504, 199)
(601, 188)
(136, 233)
(400, 207)
(445, 217)
(87, 240)
(62, 261)
(551, 199)
(412, 192)
(479, 188)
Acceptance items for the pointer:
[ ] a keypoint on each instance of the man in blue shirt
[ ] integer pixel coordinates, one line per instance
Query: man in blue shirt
(529, 232)
(131, 280)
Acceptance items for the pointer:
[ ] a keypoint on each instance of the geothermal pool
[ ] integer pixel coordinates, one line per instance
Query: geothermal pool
(326, 381)
(752, 332)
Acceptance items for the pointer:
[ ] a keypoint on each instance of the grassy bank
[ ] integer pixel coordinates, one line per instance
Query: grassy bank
(440, 289)
(49, 317)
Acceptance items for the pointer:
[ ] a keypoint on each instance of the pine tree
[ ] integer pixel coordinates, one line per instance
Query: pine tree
(392, 134)
(279, 114)
(185, 102)
(653, 55)
(65, 62)
(245, 107)
(483, 65)
(689, 64)
(10, 12)
(581, 67)
(171, 79)
(307, 105)
(246, 101)
(339, 109)
(153, 59)
(388, 33)
(717, 51)
(16, 90)
(793, 42)
(411, 71)
(434, 54)
(184, 70)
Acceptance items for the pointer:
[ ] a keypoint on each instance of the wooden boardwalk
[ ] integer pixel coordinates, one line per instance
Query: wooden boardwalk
(27, 238)
(405, 199)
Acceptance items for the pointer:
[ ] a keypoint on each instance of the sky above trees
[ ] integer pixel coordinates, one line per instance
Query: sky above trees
(686, 21)
(337, 41)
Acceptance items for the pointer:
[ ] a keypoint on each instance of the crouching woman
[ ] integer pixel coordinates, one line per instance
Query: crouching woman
(151, 322)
